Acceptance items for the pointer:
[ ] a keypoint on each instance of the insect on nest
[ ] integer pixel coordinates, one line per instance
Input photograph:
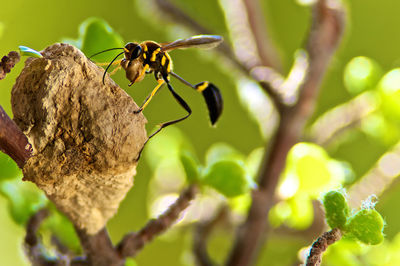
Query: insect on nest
(151, 57)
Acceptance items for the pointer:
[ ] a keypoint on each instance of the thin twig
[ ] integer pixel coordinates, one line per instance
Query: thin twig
(327, 28)
(338, 120)
(12, 141)
(33, 246)
(378, 179)
(265, 49)
(201, 234)
(134, 242)
(179, 16)
(35, 250)
(320, 245)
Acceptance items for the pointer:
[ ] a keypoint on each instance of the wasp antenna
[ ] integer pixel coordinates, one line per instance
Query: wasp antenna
(115, 58)
(213, 98)
(111, 49)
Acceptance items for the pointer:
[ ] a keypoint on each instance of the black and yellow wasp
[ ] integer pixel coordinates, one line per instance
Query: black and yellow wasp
(151, 57)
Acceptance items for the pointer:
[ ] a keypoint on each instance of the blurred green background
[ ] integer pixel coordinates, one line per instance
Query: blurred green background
(372, 31)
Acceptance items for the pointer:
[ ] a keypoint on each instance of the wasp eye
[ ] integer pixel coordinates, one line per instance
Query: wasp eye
(136, 52)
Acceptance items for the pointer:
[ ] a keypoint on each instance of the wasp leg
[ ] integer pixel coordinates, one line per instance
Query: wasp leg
(148, 99)
(115, 70)
(107, 63)
(145, 68)
(211, 95)
(181, 102)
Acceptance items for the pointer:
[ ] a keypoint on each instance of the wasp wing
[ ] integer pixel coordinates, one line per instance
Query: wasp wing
(199, 41)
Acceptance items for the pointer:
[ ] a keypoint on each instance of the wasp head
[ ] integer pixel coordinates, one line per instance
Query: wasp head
(132, 51)
(133, 63)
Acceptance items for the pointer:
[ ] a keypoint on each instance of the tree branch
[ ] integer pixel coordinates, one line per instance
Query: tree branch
(320, 245)
(338, 120)
(99, 249)
(33, 246)
(326, 31)
(12, 141)
(134, 242)
(265, 49)
(270, 76)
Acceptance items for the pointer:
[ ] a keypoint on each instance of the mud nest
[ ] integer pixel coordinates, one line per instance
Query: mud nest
(85, 136)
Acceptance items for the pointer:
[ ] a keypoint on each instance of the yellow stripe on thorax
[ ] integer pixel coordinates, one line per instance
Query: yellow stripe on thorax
(163, 60)
(154, 54)
(169, 67)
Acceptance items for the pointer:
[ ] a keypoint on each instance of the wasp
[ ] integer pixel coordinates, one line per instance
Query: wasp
(151, 57)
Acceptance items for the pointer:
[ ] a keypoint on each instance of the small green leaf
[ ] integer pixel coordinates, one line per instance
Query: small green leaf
(389, 88)
(336, 209)
(222, 151)
(361, 74)
(130, 262)
(26, 51)
(191, 166)
(228, 177)
(96, 35)
(302, 212)
(367, 226)
(9, 168)
(309, 163)
(25, 199)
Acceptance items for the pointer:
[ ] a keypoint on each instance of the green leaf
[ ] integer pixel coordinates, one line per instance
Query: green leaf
(240, 204)
(313, 173)
(296, 212)
(302, 212)
(26, 51)
(309, 163)
(228, 177)
(279, 213)
(9, 168)
(96, 35)
(191, 167)
(25, 199)
(336, 209)
(361, 74)
(130, 262)
(61, 227)
(222, 151)
(367, 226)
(389, 88)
